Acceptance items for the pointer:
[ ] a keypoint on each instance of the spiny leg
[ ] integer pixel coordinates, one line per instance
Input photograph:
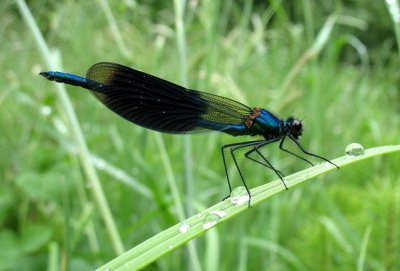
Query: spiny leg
(267, 163)
(304, 151)
(232, 148)
(292, 153)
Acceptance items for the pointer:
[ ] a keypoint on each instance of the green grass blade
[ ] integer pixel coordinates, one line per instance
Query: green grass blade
(394, 11)
(179, 8)
(363, 250)
(279, 249)
(168, 240)
(77, 133)
(114, 29)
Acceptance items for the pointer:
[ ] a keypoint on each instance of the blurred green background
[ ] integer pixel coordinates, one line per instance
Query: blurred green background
(256, 52)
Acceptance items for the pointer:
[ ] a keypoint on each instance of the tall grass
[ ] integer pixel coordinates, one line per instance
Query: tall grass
(250, 52)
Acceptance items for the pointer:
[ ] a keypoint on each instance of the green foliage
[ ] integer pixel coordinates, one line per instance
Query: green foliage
(348, 91)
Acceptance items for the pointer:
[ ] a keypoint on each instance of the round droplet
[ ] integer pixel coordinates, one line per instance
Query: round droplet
(221, 212)
(210, 220)
(304, 177)
(239, 195)
(184, 227)
(45, 110)
(60, 126)
(171, 246)
(355, 149)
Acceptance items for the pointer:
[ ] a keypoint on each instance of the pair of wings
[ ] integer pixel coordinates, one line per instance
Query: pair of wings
(160, 105)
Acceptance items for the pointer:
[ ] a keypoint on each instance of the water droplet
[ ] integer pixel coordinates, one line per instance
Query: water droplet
(304, 177)
(60, 126)
(171, 246)
(239, 195)
(355, 149)
(45, 110)
(184, 227)
(221, 212)
(210, 220)
(377, 149)
(199, 215)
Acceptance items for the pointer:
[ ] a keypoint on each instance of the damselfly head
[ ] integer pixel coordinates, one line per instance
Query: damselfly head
(296, 128)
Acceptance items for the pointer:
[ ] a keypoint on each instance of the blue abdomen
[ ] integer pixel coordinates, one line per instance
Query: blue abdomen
(70, 79)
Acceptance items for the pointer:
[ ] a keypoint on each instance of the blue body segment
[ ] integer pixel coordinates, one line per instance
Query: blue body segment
(157, 104)
(70, 79)
(67, 78)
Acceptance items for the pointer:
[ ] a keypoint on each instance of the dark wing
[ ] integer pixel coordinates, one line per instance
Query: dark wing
(160, 105)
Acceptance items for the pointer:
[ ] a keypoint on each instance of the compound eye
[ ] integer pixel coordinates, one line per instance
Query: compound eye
(297, 128)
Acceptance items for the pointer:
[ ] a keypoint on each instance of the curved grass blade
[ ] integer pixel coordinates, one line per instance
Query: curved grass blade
(168, 240)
